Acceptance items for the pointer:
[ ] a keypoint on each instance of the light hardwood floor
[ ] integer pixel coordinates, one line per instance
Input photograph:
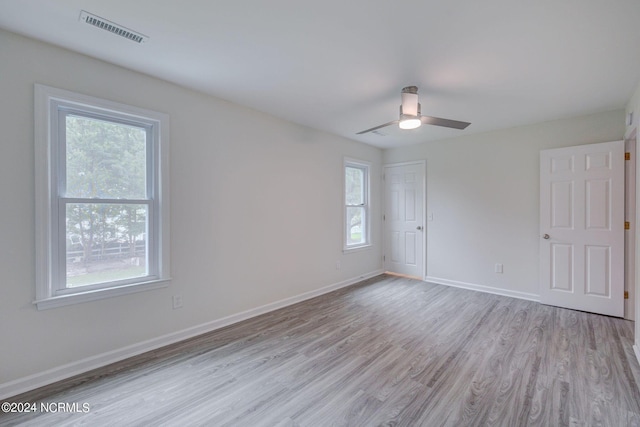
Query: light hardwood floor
(389, 351)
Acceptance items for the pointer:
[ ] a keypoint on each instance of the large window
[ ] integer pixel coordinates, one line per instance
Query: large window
(102, 204)
(356, 189)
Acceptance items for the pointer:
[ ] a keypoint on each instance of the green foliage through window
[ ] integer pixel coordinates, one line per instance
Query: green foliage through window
(104, 160)
(356, 204)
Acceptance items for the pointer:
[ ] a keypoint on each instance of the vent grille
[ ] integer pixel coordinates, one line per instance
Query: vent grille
(112, 27)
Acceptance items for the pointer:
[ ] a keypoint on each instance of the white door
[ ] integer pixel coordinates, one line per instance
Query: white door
(582, 228)
(404, 219)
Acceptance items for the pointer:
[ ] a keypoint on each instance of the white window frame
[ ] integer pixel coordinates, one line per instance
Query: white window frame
(50, 105)
(366, 167)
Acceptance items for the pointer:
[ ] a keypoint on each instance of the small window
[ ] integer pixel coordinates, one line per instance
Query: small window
(356, 188)
(102, 203)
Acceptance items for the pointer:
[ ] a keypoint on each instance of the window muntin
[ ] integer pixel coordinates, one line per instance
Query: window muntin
(356, 185)
(102, 223)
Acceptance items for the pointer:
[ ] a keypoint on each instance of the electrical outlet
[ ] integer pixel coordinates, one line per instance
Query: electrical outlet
(498, 268)
(338, 265)
(177, 301)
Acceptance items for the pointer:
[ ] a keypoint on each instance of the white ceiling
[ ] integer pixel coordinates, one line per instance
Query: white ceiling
(339, 66)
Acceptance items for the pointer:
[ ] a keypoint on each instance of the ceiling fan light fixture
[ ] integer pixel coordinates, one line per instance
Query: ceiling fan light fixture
(409, 122)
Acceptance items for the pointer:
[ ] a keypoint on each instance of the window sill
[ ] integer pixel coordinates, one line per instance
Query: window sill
(80, 297)
(357, 249)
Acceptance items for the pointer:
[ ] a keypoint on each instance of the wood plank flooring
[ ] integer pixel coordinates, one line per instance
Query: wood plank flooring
(386, 352)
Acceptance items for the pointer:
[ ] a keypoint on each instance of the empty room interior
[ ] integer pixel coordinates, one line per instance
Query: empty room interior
(415, 213)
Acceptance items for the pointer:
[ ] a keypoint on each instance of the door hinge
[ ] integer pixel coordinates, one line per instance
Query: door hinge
(627, 156)
(626, 294)
(627, 225)
(384, 258)
(384, 217)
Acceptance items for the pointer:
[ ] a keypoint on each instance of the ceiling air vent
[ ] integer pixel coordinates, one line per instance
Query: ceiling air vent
(112, 27)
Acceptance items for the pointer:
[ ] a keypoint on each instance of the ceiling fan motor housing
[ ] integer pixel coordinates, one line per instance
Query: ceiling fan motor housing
(410, 105)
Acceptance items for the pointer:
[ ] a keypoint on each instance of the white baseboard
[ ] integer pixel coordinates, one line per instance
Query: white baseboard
(636, 350)
(482, 288)
(31, 382)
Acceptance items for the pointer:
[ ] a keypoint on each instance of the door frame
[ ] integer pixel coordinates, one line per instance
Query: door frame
(425, 232)
(630, 201)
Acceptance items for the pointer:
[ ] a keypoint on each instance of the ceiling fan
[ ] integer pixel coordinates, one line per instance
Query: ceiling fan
(410, 117)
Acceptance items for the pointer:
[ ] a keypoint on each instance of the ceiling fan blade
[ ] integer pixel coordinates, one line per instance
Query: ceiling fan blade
(378, 127)
(437, 121)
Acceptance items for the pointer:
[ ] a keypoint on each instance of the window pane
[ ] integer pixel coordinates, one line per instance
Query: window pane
(105, 159)
(354, 184)
(105, 243)
(356, 225)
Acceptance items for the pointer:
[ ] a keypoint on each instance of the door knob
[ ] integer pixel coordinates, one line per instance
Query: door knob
(546, 237)
(419, 227)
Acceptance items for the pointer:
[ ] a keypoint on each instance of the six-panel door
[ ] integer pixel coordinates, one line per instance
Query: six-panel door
(404, 219)
(582, 227)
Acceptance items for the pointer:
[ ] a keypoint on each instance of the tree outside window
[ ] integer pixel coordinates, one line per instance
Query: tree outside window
(104, 161)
